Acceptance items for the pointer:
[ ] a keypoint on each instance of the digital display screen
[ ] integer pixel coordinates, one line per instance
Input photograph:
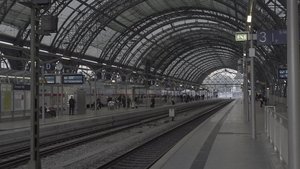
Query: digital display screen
(50, 79)
(282, 73)
(73, 79)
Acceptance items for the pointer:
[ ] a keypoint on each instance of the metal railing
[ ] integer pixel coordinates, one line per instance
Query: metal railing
(276, 127)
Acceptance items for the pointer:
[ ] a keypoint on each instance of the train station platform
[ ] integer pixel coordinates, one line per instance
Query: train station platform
(223, 142)
(11, 126)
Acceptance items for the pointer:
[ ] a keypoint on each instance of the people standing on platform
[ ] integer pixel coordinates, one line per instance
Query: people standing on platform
(98, 102)
(172, 101)
(152, 102)
(261, 101)
(128, 102)
(71, 105)
(123, 101)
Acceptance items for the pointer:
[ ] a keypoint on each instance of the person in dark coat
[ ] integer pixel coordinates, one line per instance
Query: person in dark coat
(98, 103)
(152, 102)
(71, 106)
(261, 101)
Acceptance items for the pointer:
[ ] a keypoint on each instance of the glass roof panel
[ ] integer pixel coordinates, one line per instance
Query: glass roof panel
(8, 30)
(18, 15)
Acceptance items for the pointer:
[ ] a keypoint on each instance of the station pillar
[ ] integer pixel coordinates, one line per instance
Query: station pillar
(293, 84)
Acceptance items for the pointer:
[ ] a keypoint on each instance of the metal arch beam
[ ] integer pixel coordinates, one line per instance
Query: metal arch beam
(184, 49)
(225, 58)
(200, 58)
(68, 24)
(142, 28)
(24, 33)
(269, 62)
(200, 54)
(277, 20)
(168, 35)
(80, 26)
(162, 37)
(184, 61)
(174, 45)
(195, 74)
(211, 62)
(178, 42)
(208, 72)
(220, 2)
(139, 1)
(107, 11)
(159, 26)
(203, 62)
(5, 6)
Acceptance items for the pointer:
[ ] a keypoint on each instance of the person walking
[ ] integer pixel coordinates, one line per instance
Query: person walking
(71, 105)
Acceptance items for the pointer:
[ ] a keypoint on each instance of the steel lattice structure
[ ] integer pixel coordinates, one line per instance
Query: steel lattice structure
(184, 40)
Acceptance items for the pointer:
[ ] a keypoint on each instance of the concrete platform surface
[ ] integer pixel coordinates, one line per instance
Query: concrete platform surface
(222, 142)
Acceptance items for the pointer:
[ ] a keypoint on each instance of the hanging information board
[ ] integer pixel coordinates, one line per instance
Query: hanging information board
(282, 73)
(73, 79)
(50, 79)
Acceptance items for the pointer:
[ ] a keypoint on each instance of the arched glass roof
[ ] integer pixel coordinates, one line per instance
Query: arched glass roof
(180, 39)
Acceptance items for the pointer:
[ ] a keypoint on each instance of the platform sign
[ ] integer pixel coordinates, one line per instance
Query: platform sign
(50, 79)
(73, 79)
(241, 36)
(282, 73)
(49, 66)
(21, 87)
(272, 37)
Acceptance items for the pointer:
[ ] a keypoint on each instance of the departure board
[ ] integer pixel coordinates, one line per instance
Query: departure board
(73, 79)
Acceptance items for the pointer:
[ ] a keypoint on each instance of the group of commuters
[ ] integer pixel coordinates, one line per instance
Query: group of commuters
(261, 98)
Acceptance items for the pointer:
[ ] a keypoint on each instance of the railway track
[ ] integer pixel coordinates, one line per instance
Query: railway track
(20, 154)
(144, 156)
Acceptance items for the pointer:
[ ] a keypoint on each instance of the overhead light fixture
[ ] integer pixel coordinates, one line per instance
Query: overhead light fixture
(65, 58)
(249, 19)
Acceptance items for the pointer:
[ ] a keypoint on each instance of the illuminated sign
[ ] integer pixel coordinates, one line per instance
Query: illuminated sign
(272, 37)
(50, 79)
(241, 36)
(282, 73)
(73, 79)
(21, 87)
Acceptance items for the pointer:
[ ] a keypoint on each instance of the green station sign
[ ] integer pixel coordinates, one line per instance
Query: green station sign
(241, 36)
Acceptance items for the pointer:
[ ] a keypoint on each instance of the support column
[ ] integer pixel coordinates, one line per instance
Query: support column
(35, 162)
(245, 88)
(95, 93)
(43, 94)
(293, 84)
(253, 114)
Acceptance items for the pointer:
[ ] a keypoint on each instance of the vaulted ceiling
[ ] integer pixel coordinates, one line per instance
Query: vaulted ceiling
(180, 39)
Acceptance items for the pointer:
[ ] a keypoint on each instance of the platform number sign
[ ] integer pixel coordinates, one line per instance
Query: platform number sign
(49, 66)
(272, 37)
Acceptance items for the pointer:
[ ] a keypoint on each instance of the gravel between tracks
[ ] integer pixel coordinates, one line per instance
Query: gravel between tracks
(93, 154)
